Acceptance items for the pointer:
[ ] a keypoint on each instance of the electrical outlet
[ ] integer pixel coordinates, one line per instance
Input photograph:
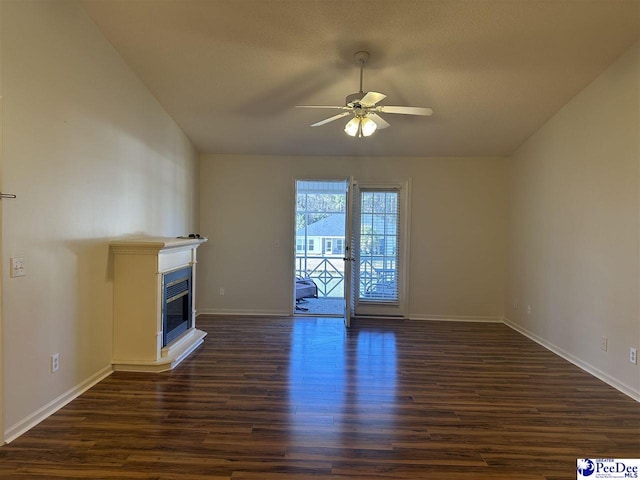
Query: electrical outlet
(528, 309)
(55, 362)
(18, 268)
(222, 291)
(633, 356)
(603, 343)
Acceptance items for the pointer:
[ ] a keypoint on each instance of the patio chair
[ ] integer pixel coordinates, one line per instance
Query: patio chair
(305, 288)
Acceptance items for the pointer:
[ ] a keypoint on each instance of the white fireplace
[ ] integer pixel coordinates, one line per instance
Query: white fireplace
(154, 302)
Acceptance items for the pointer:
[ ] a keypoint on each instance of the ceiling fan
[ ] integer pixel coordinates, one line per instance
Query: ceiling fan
(364, 108)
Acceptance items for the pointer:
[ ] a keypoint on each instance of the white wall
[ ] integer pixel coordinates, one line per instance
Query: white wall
(458, 230)
(91, 156)
(574, 228)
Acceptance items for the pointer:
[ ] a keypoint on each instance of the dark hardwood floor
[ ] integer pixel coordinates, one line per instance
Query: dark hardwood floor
(277, 398)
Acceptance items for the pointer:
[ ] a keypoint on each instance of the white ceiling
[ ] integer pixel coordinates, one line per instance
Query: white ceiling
(230, 72)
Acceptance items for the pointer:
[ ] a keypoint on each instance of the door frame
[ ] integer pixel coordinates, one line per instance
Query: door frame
(356, 308)
(293, 264)
(349, 255)
(2, 437)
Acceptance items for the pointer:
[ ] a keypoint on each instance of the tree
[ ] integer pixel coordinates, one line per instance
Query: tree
(312, 207)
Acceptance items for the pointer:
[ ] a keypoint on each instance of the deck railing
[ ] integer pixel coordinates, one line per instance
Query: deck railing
(328, 275)
(326, 272)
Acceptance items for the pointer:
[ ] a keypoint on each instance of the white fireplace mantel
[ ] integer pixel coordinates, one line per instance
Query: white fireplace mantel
(139, 266)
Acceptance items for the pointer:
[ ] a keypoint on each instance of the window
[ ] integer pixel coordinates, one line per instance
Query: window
(299, 244)
(311, 245)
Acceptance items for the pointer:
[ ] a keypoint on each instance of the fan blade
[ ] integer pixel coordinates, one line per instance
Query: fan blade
(371, 98)
(330, 119)
(405, 110)
(378, 120)
(324, 106)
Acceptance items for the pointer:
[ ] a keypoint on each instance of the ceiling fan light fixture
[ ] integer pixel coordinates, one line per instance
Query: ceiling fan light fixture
(352, 127)
(360, 126)
(368, 126)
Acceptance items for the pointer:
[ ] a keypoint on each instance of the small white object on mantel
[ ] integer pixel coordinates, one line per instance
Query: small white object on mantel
(139, 266)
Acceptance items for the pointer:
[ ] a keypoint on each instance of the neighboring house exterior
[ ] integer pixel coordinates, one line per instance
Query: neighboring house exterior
(326, 237)
(322, 238)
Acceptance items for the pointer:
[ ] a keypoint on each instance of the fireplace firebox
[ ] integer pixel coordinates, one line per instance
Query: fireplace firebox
(176, 303)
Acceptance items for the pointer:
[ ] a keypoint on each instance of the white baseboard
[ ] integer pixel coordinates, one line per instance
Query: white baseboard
(456, 318)
(608, 379)
(18, 428)
(243, 313)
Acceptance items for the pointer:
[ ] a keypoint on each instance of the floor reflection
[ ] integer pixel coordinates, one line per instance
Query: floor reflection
(340, 381)
(317, 376)
(376, 367)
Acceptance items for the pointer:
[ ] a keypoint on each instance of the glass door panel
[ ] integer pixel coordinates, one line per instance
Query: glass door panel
(379, 262)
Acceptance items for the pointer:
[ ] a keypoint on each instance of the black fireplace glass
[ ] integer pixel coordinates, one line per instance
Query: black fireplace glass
(176, 314)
